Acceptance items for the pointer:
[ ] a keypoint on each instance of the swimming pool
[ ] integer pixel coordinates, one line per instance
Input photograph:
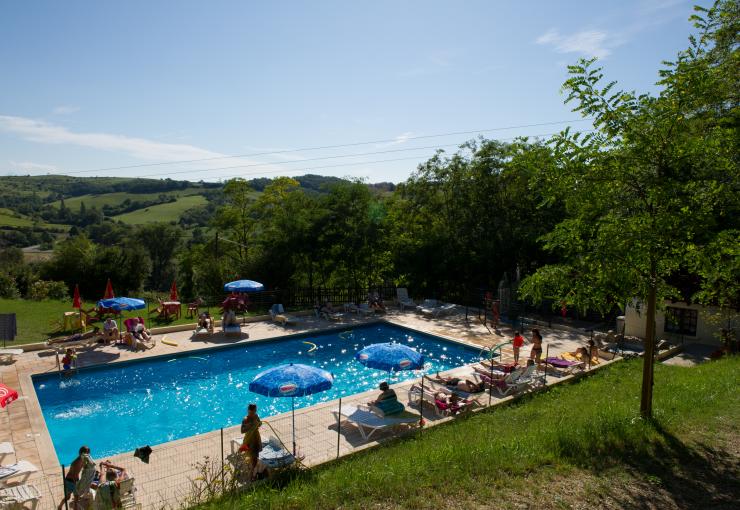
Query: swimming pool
(118, 407)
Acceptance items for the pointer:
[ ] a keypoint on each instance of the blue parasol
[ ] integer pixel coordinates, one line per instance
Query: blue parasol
(294, 380)
(244, 286)
(390, 357)
(122, 303)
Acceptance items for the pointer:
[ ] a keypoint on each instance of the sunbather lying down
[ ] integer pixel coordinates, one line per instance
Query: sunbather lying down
(580, 354)
(457, 383)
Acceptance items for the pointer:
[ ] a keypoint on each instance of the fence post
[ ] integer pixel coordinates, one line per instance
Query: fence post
(223, 482)
(547, 355)
(339, 424)
(64, 487)
(421, 405)
(490, 382)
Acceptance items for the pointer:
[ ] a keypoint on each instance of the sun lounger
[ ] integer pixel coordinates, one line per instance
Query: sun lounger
(368, 422)
(429, 396)
(277, 313)
(565, 365)
(6, 449)
(78, 339)
(330, 316)
(21, 468)
(365, 309)
(18, 495)
(402, 296)
(427, 306)
(518, 380)
(233, 330)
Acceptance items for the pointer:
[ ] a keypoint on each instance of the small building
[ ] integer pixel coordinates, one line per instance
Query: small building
(683, 322)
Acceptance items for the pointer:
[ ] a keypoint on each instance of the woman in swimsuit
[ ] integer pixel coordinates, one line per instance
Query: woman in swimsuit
(536, 352)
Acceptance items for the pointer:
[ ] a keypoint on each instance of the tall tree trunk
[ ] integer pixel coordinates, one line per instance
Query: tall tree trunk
(646, 402)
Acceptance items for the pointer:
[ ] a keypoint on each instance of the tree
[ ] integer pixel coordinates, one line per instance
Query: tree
(161, 241)
(653, 189)
(234, 220)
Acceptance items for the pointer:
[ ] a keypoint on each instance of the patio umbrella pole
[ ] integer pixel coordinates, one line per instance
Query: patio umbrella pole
(292, 403)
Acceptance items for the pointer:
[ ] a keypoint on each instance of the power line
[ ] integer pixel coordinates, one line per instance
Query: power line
(353, 144)
(283, 170)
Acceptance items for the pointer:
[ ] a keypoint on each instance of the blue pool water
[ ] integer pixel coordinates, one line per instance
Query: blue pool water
(116, 408)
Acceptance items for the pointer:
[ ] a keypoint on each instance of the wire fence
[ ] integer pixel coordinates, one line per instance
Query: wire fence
(193, 470)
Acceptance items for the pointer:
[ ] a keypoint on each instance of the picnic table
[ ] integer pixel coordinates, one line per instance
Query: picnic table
(171, 309)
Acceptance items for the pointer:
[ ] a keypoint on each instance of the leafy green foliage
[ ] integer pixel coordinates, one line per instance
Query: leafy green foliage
(652, 195)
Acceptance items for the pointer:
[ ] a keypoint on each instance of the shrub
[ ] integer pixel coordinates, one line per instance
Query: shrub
(8, 287)
(44, 289)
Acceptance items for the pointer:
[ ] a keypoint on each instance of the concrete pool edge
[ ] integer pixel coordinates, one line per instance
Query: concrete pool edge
(42, 436)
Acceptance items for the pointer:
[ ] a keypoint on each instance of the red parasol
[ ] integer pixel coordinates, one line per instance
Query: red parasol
(173, 291)
(7, 395)
(109, 291)
(76, 301)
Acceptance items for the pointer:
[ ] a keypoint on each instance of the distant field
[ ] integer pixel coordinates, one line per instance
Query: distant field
(10, 219)
(163, 212)
(114, 199)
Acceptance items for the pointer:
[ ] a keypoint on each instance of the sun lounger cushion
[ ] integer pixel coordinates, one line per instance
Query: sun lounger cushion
(562, 363)
(387, 407)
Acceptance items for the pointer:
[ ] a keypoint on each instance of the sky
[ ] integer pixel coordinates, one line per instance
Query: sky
(221, 89)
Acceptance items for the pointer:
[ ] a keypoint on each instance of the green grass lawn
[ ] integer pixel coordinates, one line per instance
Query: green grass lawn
(35, 318)
(579, 445)
(162, 212)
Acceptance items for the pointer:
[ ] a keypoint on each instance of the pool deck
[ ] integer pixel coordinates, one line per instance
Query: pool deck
(165, 481)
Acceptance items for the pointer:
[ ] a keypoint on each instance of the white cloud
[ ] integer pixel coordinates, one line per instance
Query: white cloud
(398, 140)
(65, 110)
(30, 167)
(44, 132)
(40, 131)
(590, 43)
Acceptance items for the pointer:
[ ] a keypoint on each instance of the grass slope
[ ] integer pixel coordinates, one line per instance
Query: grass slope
(117, 198)
(162, 212)
(579, 445)
(10, 218)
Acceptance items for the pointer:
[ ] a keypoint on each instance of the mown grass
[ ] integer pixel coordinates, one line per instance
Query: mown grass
(162, 212)
(36, 320)
(580, 444)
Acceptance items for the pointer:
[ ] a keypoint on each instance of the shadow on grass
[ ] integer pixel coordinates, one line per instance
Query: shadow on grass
(666, 472)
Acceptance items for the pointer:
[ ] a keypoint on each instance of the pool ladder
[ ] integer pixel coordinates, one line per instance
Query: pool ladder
(493, 351)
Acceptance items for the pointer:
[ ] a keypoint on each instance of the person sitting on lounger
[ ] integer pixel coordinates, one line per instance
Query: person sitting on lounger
(229, 319)
(375, 302)
(108, 494)
(205, 321)
(110, 330)
(386, 393)
(139, 331)
(455, 382)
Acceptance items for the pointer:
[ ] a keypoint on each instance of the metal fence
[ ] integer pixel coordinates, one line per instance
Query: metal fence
(193, 470)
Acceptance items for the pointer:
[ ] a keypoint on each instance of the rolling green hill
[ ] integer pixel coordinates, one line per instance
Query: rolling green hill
(162, 212)
(117, 198)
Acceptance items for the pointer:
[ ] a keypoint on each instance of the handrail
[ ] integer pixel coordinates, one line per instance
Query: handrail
(491, 350)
